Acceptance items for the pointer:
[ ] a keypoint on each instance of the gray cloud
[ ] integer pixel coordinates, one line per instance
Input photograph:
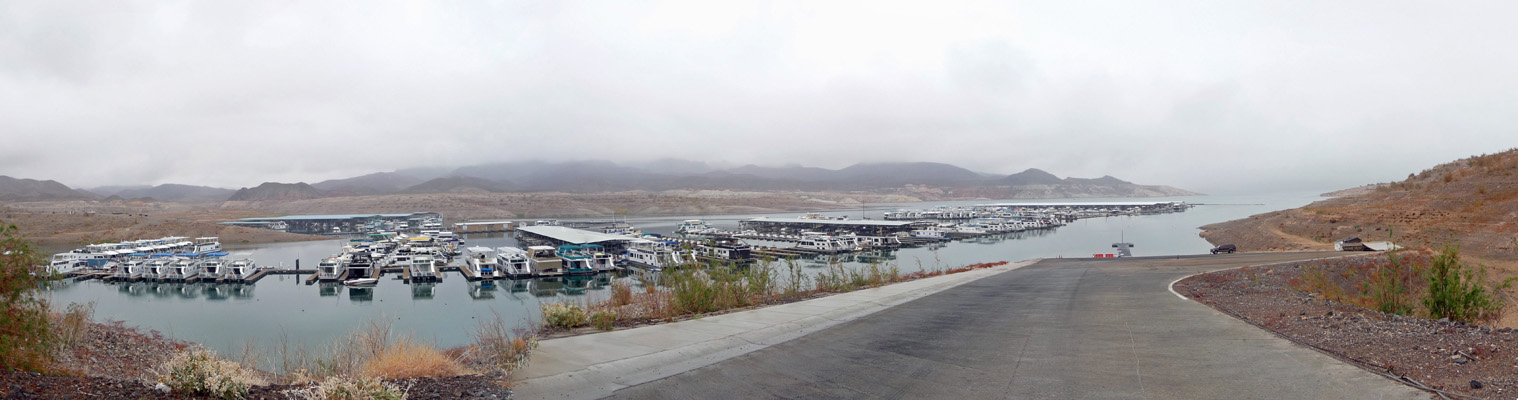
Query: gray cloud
(1219, 97)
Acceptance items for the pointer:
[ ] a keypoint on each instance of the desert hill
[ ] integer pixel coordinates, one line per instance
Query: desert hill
(278, 191)
(1471, 202)
(13, 189)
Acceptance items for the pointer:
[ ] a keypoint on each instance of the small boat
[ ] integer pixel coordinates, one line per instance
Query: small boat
(361, 282)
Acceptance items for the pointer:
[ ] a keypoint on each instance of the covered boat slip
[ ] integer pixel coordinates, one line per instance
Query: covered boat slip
(559, 235)
(797, 225)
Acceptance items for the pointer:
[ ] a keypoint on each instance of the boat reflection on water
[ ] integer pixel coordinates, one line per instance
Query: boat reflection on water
(482, 290)
(186, 290)
(240, 290)
(423, 290)
(327, 289)
(518, 285)
(134, 289)
(361, 294)
(216, 292)
(547, 287)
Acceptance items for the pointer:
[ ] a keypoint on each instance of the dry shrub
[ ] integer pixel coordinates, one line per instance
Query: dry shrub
(198, 371)
(563, 316)
(621, 293)
(603, 320)
(499, 347)
(407, 359)
(73, 323)
(348, 388)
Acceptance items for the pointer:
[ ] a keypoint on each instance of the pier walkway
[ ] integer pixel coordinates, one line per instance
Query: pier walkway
(1067, 328)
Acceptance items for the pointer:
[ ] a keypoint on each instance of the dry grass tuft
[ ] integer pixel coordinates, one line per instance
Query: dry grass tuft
(621, 294)
(407, 359)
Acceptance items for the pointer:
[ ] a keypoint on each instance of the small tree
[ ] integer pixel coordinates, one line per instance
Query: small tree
(1461, 293)
(24, 336)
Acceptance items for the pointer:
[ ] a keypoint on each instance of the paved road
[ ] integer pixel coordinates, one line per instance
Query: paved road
(1057, 329)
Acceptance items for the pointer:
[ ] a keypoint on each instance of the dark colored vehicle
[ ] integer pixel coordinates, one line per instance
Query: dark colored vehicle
(1227, 248)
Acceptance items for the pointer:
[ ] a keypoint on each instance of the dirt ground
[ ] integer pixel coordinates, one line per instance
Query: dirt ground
(1467, 360)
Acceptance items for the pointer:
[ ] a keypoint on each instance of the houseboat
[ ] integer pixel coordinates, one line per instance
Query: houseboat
(544, 262)
(725, 249)
(655, 255)
(359, 265)
(930, 232)
(423, 268)
(240, 270)
(513, 262)
(328, 269)
(879, 242)
(694, 227)
(158, 267)
(600, 260)
(483, 263)
(208, 244)
(130, 270)
(576, 259)
(213, 267)
(183, 269)
(824, 243)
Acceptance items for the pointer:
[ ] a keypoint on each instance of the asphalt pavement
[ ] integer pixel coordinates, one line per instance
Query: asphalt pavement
(1058, 329)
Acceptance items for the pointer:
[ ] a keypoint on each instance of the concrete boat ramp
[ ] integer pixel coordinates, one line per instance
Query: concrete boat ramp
(1067, 328)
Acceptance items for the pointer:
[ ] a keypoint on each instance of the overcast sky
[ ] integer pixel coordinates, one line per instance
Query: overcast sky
(1214, 96)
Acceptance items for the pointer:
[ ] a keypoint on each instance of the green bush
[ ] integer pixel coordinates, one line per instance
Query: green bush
(603, 320)
(566, 316)
(1460, 293)
(25, 337)
(198, 371)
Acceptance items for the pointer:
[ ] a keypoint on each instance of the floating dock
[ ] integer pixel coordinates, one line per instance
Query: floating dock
(864, 227)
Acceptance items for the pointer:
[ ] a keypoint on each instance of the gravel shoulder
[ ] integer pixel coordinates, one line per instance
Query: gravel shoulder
(1464, 359)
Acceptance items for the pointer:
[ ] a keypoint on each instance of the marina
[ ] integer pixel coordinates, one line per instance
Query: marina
(284, 304)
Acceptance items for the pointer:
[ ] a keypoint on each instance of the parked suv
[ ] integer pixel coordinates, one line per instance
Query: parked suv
(1227, 248)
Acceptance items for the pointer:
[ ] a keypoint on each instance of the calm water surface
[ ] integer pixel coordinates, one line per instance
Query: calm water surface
(283, 307)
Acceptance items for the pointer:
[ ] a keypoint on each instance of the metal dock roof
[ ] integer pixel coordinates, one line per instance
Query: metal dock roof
(334, 216)
(860, 222)
(1086, 204)
(572, 235)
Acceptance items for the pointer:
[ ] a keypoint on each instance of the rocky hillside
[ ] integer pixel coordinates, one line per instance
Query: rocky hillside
(278, 191)
(1471, 202)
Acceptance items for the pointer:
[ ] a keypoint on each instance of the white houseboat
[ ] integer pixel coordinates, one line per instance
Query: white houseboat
(513, 262)
(483, 263)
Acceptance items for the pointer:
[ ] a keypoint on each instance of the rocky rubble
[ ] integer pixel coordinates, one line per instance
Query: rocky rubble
(111, 361)
(1459, 358)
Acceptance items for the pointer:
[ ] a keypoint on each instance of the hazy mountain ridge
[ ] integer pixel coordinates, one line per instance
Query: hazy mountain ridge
(459, 184)
(13, 189)
(925, 180)
(375, 183)
(177, 192)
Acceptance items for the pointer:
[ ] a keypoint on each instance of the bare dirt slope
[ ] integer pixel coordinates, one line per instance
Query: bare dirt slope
(62, 225)
(1471, 202)
(464, 206)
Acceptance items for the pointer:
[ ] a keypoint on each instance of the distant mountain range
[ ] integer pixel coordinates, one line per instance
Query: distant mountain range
(12, 189)
(606, 176)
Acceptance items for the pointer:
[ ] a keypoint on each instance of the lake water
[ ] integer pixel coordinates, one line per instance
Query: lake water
(283, 307)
